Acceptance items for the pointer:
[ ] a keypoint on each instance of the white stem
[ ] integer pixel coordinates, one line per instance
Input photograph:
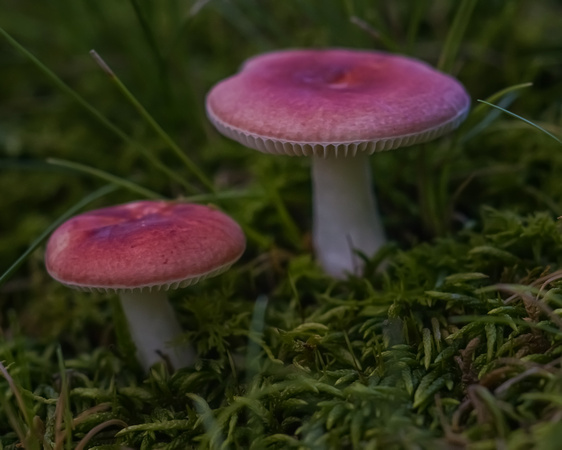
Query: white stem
(345, 214)
(153, 326)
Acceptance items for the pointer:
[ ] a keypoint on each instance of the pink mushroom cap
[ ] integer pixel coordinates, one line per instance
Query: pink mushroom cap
(335, 101)
(144, 244)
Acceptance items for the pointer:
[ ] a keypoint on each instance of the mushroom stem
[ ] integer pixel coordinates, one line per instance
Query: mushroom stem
(345, 215)
(153, 327)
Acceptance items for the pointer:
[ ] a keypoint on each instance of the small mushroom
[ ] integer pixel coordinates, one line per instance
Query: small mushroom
(338, 106)
(140, 250)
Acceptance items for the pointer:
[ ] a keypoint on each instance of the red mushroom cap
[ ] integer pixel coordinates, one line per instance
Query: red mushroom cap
(305, 102)
(144, 244)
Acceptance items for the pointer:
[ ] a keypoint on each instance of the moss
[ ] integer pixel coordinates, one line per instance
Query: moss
(451, 339)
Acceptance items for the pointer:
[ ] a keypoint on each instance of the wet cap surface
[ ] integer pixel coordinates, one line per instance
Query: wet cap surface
(145, 244)
(335, 96)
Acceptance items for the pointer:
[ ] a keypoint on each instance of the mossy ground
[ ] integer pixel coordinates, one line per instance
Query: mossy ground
(454, 342)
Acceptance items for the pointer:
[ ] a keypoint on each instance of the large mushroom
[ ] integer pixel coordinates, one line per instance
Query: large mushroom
(140, 250)
(338, 106)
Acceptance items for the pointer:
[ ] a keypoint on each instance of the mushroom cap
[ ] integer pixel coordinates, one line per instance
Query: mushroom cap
(144, 244)
(335, 102)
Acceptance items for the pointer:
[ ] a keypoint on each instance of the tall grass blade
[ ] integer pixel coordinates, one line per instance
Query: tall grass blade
(523, 119)
(63, 414)
(124, 183)
(69, 213)
(455, 36)
(505, 97)
(94, 112)
(291, 228)
(29, 165)
(150, 120)
(25, 411)
(256, 328)
(376, 34)
(497, 95)
(416, 16)
(150, 39)
(224, 195)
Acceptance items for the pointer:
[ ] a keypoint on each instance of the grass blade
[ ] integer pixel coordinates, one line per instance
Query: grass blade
(504, 97)
(150, 120)
(94, 112)
(523, 119)
(24, 409)
(224, 195)
(149, 38)
(376, 34)
(418, 11)
(69, 213)
(497, 95)
(124, 183)
(63, 416)
(455, 36)
(254, 347)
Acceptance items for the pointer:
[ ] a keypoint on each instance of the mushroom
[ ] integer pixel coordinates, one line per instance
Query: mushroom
(338, 106)
(140, 250)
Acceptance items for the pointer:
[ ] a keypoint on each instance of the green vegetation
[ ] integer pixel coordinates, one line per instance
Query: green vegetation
(454, 342)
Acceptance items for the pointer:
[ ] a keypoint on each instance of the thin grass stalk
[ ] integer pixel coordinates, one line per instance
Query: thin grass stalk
(69, 213)
(23, 410)
(60, 434)
(226, 195)
(420, 6)
(426, 192)
(14, 420)
(455, 35)
(478, 109)
(538, 127)
(96, 113)
(109, 423)
(118, 181)
(150, 40)
(487, 119)
(349, 7)
(375, 33)
(155, 125)
(62, 411)
(291, 228)
(257, 326)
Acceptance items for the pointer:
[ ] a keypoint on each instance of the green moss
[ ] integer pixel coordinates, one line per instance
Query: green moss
(451, 339)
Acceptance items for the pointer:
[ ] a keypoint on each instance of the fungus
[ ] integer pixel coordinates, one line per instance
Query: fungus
(337, 106)
(140, 250)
